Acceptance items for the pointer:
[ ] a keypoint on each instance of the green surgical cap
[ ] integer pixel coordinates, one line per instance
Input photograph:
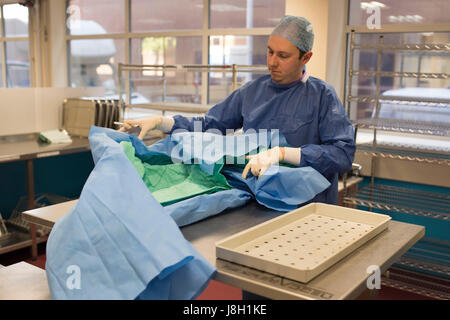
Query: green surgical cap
(297, 30)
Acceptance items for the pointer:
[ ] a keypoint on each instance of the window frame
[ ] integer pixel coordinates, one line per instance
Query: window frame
(31, 46)
(205, 32)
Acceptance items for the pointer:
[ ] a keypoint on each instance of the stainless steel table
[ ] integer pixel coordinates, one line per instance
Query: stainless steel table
(344, 280)
(28, 147)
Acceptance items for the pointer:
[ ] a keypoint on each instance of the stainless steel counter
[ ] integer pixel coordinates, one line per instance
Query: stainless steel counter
(28, 146)
(344, 280)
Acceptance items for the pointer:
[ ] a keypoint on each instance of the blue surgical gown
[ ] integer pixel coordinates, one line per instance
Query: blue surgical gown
(309, 114)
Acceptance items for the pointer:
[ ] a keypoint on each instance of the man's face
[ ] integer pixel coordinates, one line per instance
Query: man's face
(283, 60)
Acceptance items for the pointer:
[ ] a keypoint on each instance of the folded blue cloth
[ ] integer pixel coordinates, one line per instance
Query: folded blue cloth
(120, 239)
(279, 188)
(200, 207)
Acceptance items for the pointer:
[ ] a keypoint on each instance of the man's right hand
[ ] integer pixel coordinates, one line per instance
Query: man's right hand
(145, 124)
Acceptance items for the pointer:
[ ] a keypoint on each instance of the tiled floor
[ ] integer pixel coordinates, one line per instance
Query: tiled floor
(214, 291)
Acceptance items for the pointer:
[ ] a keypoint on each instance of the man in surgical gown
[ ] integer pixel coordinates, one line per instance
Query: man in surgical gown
(306, 110)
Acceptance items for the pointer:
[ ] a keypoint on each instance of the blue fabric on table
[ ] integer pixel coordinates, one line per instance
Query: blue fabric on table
(200, 207)
(125, 245)
(280, 188)
(120, 239)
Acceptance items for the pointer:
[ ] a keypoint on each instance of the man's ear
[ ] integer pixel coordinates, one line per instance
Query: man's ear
(306, 57)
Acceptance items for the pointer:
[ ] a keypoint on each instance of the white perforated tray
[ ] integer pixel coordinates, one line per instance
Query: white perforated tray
(302, 243)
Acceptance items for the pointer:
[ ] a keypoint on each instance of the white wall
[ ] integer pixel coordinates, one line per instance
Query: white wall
(28, 110)
(328, 18)
(316, 11)
(336, 46)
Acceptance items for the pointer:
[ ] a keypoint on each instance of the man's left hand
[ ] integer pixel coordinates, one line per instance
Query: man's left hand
(260, 162)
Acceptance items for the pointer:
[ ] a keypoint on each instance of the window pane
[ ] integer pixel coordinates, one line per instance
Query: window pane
(181, 86)
(240, 50)
(244, 50)
(246, 14)
(94, 62)
(410, 61)
(17, 64)
(166, 15)
(95, 17)
(16, 20)
(400, 11)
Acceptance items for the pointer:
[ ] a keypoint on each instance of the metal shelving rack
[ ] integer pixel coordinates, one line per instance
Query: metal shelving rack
(125, 98)
(404, 126)
(392, 198)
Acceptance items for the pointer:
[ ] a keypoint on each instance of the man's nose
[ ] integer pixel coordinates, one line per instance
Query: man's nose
(273, 60)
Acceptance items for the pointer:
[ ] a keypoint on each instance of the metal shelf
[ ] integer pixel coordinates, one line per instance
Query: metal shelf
(174, 106)
(407, 157)
(402, 200)
(422, 75)
(410, 284)
(392, 198)
(441, 47)
(191, 67)
(125, 99)
(399, 199)
(405, 126)
(17, 238)
(422, 265)
(428, 102)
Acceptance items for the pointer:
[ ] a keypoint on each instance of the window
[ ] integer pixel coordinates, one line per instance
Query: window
(166, 15)
(86, 17)
(181, 86)
(93, 61)
(14, 45)
(246, 14)
(240, 50)
(167, 32)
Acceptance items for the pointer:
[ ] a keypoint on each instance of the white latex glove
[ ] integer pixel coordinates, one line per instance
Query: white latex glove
(146, 124)
(260, 162)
